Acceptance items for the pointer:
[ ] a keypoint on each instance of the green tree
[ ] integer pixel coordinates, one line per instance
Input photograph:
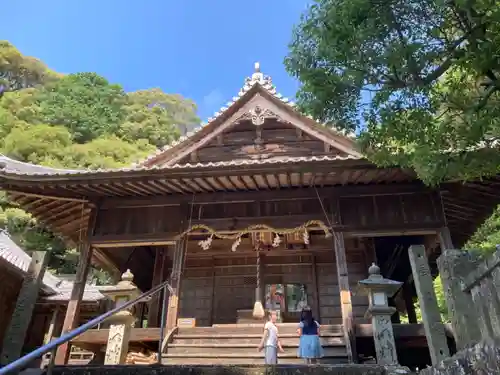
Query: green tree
(18, 71)
(487, 236)
(40, 144)
(76, 121)
(107, 152)
(421, 76)
(85, 103)
(156, 116)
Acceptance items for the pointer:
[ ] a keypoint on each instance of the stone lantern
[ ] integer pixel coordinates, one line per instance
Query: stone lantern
(378, 289)
(122, 322)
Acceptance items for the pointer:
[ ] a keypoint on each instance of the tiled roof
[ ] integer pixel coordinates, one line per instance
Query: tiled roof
(59, 289)
(13, 167)
(257, 78)
(90, 294)
(16, 256)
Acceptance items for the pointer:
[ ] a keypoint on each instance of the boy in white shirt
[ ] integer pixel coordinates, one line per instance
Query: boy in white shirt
(270, 340)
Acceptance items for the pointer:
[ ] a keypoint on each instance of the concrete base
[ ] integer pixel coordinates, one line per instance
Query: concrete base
(227, 370)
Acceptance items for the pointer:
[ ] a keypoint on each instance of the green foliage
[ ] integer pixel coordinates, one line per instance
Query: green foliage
(443, 310)
(423, 74)
(156, 116)
(19, 72)
(41, 144)
(85, 103)
(75, 121)
(487, 236)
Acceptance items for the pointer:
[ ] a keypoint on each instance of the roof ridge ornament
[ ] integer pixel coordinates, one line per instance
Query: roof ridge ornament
(260, 78)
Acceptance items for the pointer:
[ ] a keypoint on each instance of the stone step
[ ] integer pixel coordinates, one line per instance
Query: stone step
(240, 351)
(254, 340)
(253, 329)
(254, 361)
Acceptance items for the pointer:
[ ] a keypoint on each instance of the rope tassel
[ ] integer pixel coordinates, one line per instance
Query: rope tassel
(258, 308)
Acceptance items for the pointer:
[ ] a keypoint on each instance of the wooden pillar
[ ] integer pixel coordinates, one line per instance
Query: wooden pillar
(73, 310)
(212, 298)
(158, 272)
(52, 326)
(445, 239)
(177, 268)
(175, 282)
(345, 296)
(315, 288)
(410, 306)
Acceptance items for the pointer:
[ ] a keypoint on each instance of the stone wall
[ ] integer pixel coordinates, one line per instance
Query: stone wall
(472, 290)
(10, 283)
(480, 359)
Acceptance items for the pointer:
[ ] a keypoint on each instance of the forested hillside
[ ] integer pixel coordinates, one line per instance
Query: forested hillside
(76, 121)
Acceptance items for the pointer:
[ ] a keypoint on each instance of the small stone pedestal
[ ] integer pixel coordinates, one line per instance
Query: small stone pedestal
(122, 322)
(378, 289)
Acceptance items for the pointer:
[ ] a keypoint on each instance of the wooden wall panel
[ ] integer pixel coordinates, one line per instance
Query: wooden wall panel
(195, 299)
(277, 141)
(232, 294)
(329, 295)
(137, 220)
(235, 283)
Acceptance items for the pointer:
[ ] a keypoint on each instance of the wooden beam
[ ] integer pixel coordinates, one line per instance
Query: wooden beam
(134, 240)
(268, 195)
(44, 196)
(400, 330)
(345, 296)
(222, 225)
(100, 336)
(103, 260)
(73, 310)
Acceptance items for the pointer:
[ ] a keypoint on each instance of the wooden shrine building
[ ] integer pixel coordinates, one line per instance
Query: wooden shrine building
(259, 192)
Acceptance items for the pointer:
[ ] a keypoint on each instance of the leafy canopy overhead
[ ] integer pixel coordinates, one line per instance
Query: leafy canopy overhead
(421, 78)
(76, 121)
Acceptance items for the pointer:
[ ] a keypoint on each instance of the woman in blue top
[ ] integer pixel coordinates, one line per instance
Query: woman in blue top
(309, 346)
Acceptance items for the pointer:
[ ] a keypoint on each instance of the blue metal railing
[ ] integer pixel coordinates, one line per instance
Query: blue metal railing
(52, 346)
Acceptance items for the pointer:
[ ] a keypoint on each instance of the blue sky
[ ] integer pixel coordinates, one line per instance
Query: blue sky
(202, 49)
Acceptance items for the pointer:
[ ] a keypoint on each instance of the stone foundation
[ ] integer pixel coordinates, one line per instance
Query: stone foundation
(480, 359)
(226, 370)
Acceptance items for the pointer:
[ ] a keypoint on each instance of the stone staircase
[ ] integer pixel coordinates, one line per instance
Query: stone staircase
(236, 344)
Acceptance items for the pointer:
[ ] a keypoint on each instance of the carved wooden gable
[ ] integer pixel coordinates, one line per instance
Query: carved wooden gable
(258, 125)
(262, 131)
